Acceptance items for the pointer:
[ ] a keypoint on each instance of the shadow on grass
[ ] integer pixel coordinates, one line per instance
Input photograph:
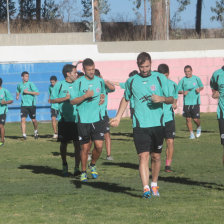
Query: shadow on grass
(122, 134)
(59, 154)
(110, 187)
(14, 137)
(42, 170)
(202, 131)
(124, 165)
(187, 181)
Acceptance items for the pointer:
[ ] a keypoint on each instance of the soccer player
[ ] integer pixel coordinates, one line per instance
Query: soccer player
(54, 107)
(109, 89)
(28, 92)
(149, 90)
(87, 96)
(67, 127)
(169, 117)
(217, 86)
(5, 99)
(191, 86)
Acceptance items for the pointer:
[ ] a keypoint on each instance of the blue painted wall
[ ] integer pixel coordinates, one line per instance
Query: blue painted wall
(40, 74)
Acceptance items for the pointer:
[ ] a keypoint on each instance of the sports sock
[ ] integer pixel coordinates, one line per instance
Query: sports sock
(199, 127)
(92, 164)
(168, 162)
(192, 133)
(153, 184)
(146, 187)
(35, 131)
(24, 135)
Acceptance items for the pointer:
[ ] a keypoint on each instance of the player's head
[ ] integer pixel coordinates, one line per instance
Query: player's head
(53, 80)
(1, 82)
(133, 73)
(188, 71)
(97, 73)
(144, 63)
(89, 68)
(164, 69)
(25, 76)
(69, 72)
(223, 67)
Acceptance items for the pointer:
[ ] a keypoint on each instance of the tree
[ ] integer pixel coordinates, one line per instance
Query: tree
(50, 10)
(27, 10)
(97, 21)
(198, 17)
(219, 12)
(38, 9)
(3, 10)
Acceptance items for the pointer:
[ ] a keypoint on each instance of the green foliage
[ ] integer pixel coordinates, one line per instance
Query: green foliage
(27, 9)
(3, 10)
(218, 11)
(50, 10)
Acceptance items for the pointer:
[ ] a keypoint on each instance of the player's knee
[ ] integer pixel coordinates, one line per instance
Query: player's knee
(156, 157)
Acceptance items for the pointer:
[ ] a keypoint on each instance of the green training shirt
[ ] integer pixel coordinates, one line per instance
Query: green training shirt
(67, 111)
(6, 96)
(53, 105)
(217, 83)
(27, 99)
(168, 109)
(104, 105)
(89, 111)
(146, 113)
(122, 85)
(190, 85)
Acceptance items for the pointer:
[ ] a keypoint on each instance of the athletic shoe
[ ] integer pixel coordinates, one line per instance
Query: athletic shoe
(94, 172)
(89, 157)
(24, 137)
(147, 193)
(155, 191)
(83, 177)
(65, 170)
(1, 144)
(76, 171)
(36, 135)
(168, 169)
(198, 134)
(109, 158)
(192, 136)
(55, 136)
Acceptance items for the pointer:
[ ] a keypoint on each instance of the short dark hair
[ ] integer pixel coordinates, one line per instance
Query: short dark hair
(133, 73)
(97, 72)
(188, 66)
(67, 68)
(142, 57)
(80, 74)
(87, 62)
(163, 68)
(223, 67)
(53, 78)
(1, 81)
(24, 73)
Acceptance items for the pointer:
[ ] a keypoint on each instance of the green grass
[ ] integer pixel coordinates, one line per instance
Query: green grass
(33, 191)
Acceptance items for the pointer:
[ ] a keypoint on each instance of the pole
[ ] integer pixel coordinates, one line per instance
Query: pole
(93, 17)
(145, 18)
(167, 19)
(8, 21)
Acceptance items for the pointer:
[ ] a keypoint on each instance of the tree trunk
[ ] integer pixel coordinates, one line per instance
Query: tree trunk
(38, 9)
(198, 17)
(97, 21)
(21, 9)
(160, 19)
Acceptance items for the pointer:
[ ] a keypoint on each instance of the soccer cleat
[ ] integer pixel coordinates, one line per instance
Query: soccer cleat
(93, 172)
(198, 134)
(36, 135)
(55, 136)
(155, 191)
(109, 158)
(83, 177)
(192, 136)
(65, 170)
(168, 169)
(24, 137)
(76, 172)
(146, 193)
(1, 144)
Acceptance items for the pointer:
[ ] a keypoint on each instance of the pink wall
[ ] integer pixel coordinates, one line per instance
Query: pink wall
(202, 67)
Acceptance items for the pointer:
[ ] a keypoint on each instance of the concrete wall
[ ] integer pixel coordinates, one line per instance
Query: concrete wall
(114, 59)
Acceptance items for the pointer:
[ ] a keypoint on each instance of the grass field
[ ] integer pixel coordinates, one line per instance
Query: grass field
(33, 191)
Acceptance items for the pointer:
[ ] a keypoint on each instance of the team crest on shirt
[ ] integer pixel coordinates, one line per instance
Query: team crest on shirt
(194, 83)
(1, 96)
(97, 89)
(153, 87)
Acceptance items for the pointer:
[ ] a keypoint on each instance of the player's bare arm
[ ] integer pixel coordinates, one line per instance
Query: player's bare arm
(31, 93)
(162, 99)
(89, 93)
(60, 100)
(215, 94)
(3, 102)
(198, 90)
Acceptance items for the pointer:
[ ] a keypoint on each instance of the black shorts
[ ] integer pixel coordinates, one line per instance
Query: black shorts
(148, 139)
(169, 130)
(2, 118)
(221, 130)
(54, 113)
(106, 124)
(67, 131)
(192, 111)
(28, 110)
(90, 131)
